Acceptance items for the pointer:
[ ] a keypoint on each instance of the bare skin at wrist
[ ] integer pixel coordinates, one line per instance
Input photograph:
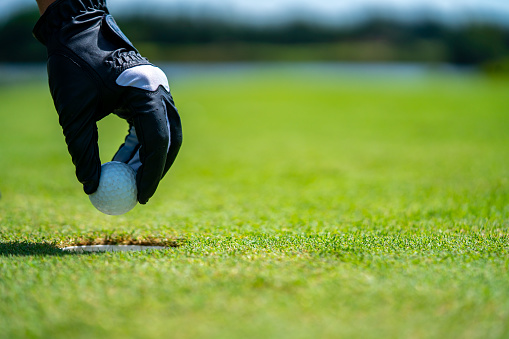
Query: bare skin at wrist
(43, 5)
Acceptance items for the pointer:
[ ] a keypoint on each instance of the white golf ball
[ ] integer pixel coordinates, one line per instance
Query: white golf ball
(117, 192)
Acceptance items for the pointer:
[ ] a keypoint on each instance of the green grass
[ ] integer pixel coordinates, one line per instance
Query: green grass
(301, 205)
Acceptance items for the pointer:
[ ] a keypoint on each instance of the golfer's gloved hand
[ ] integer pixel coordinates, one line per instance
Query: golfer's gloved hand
(94, 70)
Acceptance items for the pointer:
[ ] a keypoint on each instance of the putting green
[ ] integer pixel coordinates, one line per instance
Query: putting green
(301, 205)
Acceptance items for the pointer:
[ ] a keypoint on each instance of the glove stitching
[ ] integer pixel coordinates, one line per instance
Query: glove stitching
(122, 60)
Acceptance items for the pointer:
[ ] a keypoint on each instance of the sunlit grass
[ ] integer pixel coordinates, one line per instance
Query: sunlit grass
(301, 205)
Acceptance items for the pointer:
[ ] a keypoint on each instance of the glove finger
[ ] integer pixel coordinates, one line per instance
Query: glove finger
(76, 104)
(176, 138)
(129, 151)
(153, 134)
(167, 123)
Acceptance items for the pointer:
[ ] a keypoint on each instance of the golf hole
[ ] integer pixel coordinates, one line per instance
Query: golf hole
(111, 248)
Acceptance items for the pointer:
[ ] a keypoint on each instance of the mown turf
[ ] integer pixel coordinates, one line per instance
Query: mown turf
(302, 205)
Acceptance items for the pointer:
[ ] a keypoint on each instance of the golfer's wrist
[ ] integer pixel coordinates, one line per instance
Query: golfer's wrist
(43, 5)
(62, 12)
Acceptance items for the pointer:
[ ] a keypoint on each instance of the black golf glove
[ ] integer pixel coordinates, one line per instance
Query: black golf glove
(94, 70)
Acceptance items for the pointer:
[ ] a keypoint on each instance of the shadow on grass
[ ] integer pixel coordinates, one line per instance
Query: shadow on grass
(26, 249)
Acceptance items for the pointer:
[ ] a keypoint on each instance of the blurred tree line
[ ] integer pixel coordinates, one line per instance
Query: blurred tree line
(376, 40)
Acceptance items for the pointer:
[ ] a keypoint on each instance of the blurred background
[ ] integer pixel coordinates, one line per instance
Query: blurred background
(466, 34)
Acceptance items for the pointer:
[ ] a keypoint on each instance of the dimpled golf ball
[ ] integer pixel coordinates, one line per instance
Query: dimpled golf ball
(117, 192)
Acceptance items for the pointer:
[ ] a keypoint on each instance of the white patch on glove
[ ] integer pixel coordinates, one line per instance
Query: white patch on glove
(146, 77)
